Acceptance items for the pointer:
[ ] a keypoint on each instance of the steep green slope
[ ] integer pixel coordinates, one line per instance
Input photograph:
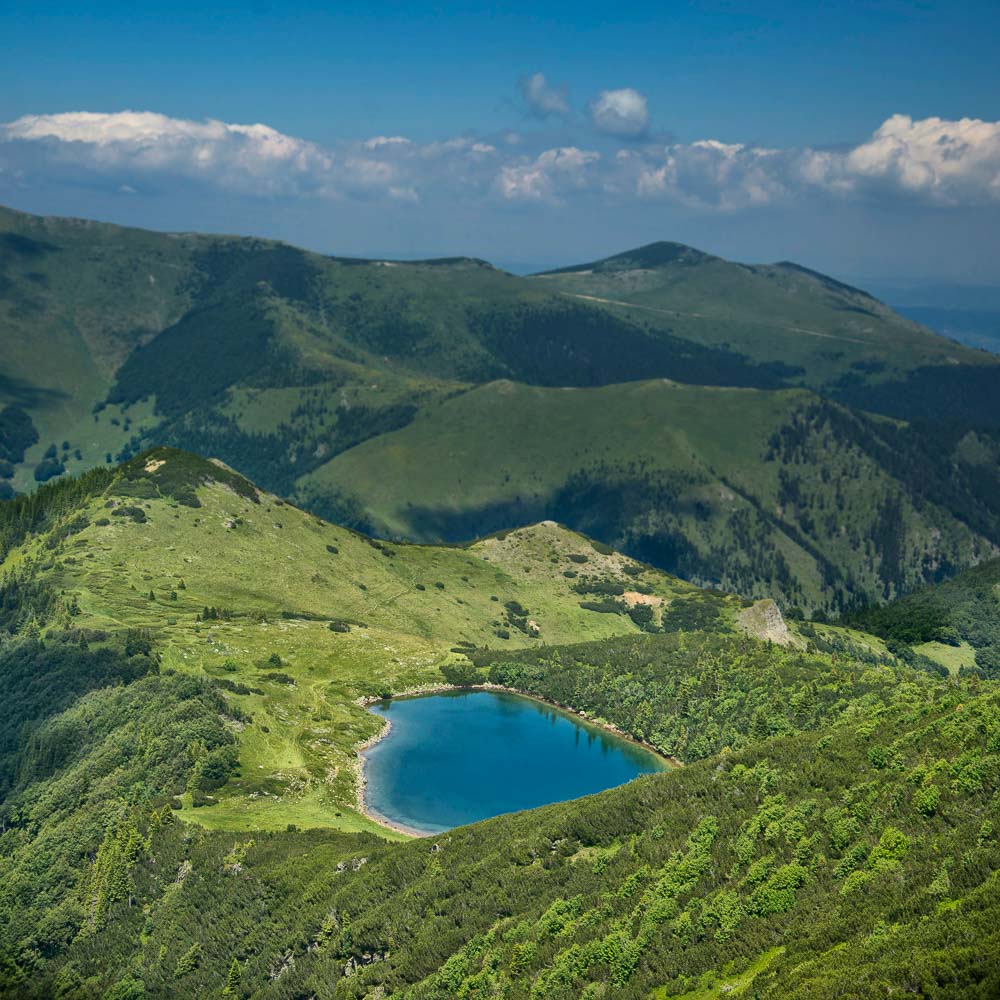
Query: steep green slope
(841, 339)
(150, 332)
(275, 358)
(297, 618)
(956, 624)
(768, 493)
(182, 659)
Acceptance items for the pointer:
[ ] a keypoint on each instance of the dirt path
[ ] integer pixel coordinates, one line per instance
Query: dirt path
(716, 319)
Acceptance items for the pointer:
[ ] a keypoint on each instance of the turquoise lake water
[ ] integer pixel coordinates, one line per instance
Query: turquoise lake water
(456, 758)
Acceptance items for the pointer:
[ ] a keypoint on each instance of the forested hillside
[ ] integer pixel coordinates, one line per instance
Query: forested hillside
(177, 776)
(956, 625)
(315, 374)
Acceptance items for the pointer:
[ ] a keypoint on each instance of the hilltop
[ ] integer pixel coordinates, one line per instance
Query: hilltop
(831, 336)
(181, 662)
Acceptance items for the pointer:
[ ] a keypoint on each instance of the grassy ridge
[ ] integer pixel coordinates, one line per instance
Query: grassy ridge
(766, 493)
(830, 330)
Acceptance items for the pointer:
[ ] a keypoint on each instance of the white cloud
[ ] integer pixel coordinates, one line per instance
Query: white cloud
(712, 174)
(623, 113)
(385, 140)
(541, 98)
(944, 161)
(544, 177)
(244, 156)
(930, 161)
(129, 147)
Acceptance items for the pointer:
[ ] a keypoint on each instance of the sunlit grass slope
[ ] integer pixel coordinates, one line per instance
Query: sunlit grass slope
(245, 588)
(768, 493)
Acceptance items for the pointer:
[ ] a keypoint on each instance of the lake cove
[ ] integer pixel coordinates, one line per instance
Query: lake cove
(459, 757)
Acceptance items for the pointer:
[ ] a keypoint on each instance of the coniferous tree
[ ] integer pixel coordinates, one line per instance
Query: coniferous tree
(232, 988)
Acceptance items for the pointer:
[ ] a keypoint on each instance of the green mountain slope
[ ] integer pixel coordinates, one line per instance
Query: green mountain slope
(229, 577)
(956, 624)
(299, 369)
(768, 493)
(175, 697)
(842, 340)
(93, 312)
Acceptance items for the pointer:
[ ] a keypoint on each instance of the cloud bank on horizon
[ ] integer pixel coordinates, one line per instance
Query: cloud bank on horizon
(931, 161)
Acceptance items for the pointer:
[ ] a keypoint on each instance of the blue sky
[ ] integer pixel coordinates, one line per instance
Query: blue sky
(743, 128)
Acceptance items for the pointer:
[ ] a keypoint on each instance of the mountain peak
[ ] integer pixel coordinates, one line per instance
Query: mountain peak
(663, 253)
(170, 472)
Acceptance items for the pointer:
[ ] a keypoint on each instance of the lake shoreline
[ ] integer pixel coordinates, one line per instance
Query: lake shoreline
(359, 761)
(361, 783)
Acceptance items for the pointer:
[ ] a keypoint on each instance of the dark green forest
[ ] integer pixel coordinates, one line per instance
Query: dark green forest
(834, 827)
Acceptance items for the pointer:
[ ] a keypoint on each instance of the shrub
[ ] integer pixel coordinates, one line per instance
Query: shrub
(279, 678)
(462, 674)
(926, 800)
(48, 469)
(137, 514)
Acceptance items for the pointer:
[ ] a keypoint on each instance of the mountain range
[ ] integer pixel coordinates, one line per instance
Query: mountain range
(765, 429)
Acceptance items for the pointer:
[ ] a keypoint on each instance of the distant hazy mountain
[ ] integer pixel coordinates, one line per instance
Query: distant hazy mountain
(834, 337)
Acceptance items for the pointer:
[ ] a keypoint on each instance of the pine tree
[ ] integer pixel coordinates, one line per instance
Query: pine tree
(233, 980)
(188, 962)
(760, 728)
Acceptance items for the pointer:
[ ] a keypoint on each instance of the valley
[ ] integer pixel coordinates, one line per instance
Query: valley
(660, 507)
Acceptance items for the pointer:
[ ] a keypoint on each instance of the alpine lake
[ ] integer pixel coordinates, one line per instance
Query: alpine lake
(463, 756)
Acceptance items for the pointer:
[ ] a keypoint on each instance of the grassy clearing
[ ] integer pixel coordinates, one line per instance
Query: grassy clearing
(273, 579)
(952, 657)
(724, 984)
